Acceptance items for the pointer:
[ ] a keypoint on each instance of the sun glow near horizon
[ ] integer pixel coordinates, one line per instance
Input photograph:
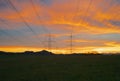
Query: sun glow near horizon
(41, 25)
(65, 50)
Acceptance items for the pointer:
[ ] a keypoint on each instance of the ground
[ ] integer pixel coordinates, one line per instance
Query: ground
(59, 68)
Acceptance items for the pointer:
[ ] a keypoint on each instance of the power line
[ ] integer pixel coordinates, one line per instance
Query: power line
(4, 22)
(45, 29)
(71, 34)
(71, 43)
(77, 10)
(86, 12)
(38, 15)
(49, 42)
(9, 35)
(27, 25)
(107, 8)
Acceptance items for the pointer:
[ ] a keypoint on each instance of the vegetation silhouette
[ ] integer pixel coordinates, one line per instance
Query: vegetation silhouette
(47, 53)
(43, 52)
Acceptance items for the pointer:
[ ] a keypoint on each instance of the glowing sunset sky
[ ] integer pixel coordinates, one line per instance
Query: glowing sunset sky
(27, 24)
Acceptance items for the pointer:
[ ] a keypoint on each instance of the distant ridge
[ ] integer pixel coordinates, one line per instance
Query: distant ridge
(43, 52)
(47, 53)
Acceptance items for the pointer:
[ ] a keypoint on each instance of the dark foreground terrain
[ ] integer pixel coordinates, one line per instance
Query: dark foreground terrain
(60, 68)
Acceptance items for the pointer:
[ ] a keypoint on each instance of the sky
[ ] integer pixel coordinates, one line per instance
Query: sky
(35, 25)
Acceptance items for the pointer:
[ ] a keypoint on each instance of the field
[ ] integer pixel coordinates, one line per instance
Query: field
(59, 68)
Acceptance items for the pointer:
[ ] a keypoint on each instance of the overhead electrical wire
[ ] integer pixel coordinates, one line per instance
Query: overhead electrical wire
(77, 10)
(24, 21)
(30, 28)
(38, 15)
(9, 34)
(8, 25)
(71, 34)
(45, 29)
(88, 8)
(107, 9)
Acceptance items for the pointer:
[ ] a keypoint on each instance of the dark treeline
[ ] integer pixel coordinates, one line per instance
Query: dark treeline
(44, 52)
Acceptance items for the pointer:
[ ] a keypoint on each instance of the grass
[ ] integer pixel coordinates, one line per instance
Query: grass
(59, 68)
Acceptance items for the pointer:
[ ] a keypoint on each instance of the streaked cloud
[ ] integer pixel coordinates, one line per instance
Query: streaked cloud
(98, 21)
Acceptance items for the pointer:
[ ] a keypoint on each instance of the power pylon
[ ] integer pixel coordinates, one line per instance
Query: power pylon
(71, 43)
(50, 41)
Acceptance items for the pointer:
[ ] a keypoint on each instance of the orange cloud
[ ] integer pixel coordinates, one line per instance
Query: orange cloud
(61, 16)
(18, 48)
(65, 15)
(113, 44)
(110, 47)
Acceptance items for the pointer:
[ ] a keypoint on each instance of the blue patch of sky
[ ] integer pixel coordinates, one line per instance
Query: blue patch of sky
(109, 37)
(105, 5)
(39, 29)
(94, 22)
(114, 22)
(46, 2)
(3, 5)
(112, 36)
(117, 1)
(14, 36)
